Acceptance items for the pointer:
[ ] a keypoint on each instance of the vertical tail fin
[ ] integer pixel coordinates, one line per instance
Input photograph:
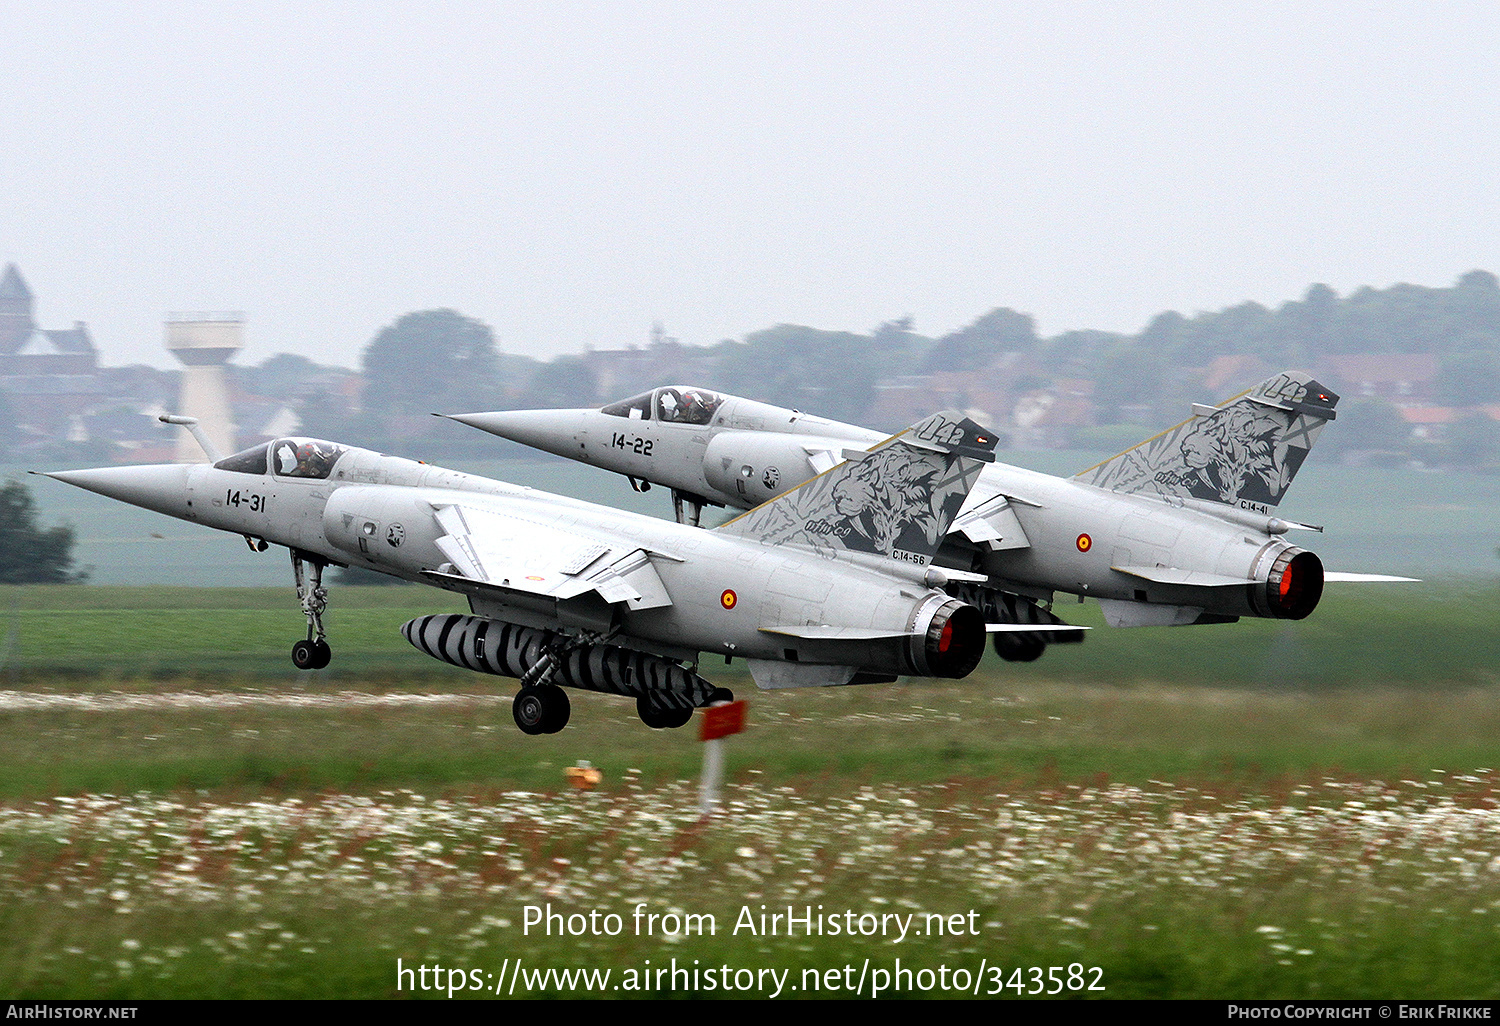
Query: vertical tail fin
(896, 500)
(1244, 453)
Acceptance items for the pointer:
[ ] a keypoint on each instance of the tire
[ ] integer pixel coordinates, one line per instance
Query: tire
(323, 654)
(1019, 648)
(541, 710)
(721, 695)
(661, 717)
(305, 656)
(559, 708)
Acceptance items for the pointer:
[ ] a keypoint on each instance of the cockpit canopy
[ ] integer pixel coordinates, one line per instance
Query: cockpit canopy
(675, 404)
(310, 458)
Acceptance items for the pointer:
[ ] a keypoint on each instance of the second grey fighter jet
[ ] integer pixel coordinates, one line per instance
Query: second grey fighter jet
(831, 583)
(1180, 530)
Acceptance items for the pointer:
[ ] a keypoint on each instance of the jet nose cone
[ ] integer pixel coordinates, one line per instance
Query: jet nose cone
(162, 487)
(556, 431)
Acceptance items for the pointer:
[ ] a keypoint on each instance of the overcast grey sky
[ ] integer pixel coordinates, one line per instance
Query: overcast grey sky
(570, 172)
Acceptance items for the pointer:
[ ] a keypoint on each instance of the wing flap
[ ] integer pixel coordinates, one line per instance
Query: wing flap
(822, 459)
(633, 580)
(539, 559)
(993, 524)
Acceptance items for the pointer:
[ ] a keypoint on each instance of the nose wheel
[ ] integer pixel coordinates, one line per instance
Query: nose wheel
(313, 653)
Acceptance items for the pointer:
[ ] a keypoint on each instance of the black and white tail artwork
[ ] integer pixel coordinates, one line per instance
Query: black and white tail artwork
(896, 500)
(1244, 453)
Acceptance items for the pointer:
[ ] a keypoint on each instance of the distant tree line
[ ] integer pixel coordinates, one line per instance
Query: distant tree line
(442, 361)
(439, 360)
(1460, 325)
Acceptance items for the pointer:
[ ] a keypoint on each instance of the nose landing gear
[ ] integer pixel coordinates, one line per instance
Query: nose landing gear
(313, 653)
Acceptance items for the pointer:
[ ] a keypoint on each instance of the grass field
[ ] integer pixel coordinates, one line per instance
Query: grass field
(1430, 632)
(1256, 810)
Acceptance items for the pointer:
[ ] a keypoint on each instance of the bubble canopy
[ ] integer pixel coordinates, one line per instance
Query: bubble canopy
(309, 458)
(675, 404)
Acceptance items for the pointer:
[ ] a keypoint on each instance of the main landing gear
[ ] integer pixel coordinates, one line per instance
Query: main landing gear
(687, 508)
(541, 707)
(661, 717)
(314, 653)
(667, 717)
(1019, 648)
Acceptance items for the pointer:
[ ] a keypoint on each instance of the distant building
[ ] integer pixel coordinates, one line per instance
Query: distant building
(27, 349)
(1047, 418)
(988, 395)
(1397, 377)
(1429, 423)
(50, 376)
(1228, 376)
(620, 373)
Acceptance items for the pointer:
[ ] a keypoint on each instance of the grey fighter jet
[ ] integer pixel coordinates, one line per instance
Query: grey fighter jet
(1180, 530)
(828, 584)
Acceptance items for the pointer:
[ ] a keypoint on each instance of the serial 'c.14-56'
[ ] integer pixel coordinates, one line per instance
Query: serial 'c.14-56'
(829, 583)
(1179, 530)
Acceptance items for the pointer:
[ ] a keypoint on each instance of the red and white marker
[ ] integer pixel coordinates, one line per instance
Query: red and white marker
(718, 722)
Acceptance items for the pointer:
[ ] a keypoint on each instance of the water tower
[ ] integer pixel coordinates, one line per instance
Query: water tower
(204, 342)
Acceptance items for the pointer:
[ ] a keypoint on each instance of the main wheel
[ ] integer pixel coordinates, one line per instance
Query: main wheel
(720, 695)
(1019, 648)
(559, 708)
(541, 710)
(659, 717)
(322, 653)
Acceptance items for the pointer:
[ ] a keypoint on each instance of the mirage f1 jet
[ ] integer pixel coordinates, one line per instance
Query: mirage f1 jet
(831, 583)
(1179, 530)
